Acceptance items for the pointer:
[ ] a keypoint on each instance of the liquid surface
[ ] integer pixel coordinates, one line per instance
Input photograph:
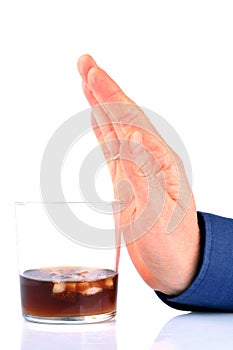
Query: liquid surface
(68, 291)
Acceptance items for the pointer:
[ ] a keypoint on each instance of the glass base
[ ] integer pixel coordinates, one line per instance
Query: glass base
(71, 320)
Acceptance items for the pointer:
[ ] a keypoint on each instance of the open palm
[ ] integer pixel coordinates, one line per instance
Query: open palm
(159, 219)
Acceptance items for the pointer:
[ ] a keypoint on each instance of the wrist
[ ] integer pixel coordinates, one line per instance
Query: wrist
(182, 272)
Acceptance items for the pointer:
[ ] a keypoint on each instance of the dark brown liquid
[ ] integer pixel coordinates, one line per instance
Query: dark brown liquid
(68, 291)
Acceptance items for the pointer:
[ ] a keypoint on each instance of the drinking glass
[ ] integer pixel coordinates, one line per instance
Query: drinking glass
(68, 254)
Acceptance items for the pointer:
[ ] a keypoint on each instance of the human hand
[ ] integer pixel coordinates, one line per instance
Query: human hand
(159, 221)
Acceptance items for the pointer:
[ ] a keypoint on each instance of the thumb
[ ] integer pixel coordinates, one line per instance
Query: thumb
(143, 159)
(141, 168)
(142, 171)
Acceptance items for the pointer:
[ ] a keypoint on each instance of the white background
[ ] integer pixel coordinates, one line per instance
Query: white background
(174, 57)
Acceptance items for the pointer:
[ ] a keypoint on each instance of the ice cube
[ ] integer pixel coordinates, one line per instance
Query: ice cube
(71, 286)
(82, 286)
(108, 283)
(59, 287)
(91, 291)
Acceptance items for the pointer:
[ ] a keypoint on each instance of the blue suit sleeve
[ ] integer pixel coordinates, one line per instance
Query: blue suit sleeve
(212, 288)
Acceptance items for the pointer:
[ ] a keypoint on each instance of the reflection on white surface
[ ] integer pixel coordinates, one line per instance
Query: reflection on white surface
(49, 337)
(188, 331)
(196, 331)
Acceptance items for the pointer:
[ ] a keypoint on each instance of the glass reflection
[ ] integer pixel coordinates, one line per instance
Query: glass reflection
(196, 331)
(55, 337)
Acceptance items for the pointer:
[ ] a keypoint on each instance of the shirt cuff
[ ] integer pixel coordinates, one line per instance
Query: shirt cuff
(212, 287)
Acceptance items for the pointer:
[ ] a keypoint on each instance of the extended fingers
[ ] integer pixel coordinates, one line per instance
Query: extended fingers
(104, 87)
(108, 94)
(120, 108)
(102, 125)
(99, 82)
(85, 63)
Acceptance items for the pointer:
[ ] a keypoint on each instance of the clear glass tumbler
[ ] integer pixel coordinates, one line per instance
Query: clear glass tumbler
(68, 257)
